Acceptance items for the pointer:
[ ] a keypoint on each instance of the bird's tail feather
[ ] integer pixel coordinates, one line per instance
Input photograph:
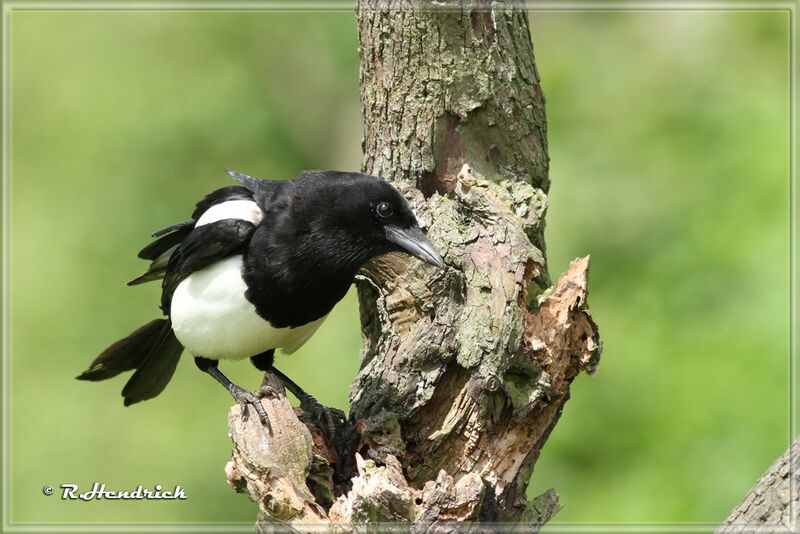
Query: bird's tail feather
(152, 350)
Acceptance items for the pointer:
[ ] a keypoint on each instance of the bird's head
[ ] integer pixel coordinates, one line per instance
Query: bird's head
(359, 216)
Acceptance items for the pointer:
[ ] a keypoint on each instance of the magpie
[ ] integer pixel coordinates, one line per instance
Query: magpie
(257, 268)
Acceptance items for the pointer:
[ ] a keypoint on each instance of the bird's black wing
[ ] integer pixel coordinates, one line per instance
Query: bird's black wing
(160, 250)
(203, 246)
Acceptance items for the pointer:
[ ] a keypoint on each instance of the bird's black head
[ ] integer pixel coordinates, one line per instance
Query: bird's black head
(353, 217)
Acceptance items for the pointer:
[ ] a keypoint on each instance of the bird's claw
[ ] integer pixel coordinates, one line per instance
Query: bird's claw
(246, 399)
(266, 391)
(327, 419)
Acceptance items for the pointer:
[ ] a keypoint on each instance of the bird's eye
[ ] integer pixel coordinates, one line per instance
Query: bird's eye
(384, 210)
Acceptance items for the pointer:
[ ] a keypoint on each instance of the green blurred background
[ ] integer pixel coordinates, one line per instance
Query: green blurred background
(669, 147)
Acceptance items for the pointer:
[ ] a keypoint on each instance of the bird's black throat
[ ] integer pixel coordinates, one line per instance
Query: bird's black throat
(295, 283)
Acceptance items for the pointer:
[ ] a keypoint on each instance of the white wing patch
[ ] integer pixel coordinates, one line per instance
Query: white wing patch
(211, 316)
(246, 210)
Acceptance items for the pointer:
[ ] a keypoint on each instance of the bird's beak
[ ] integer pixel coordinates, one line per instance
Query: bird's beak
(413, 241)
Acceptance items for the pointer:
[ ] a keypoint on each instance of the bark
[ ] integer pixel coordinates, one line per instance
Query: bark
(464, 371)
(773, 504)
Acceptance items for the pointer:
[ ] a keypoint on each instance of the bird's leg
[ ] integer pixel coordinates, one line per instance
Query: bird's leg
(242, 396)
(263, 362)
(326, 418)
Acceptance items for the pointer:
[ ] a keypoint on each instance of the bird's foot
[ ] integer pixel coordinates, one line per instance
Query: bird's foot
(246, 398)
(266, 391)
(327, 419)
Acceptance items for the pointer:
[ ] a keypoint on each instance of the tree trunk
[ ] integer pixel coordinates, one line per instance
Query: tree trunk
(464, 371)
(773, 505)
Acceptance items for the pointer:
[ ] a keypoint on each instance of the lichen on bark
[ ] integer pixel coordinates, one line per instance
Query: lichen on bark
(454, 115)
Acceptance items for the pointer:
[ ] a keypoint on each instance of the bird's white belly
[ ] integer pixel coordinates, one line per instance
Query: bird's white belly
(212, 318)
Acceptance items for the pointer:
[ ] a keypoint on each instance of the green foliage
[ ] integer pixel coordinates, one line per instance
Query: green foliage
(669, 152)
(668, 140)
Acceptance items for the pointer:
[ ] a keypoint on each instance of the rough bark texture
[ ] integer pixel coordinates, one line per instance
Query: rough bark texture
(773, 505)
(464, 371)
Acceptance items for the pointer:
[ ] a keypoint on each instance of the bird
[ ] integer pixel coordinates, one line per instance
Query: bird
(258, 267)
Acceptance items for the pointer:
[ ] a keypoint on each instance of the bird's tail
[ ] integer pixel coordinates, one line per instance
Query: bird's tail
(152, 350)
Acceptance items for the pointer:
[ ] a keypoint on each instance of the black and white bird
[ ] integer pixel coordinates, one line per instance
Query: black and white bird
(257, 268)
